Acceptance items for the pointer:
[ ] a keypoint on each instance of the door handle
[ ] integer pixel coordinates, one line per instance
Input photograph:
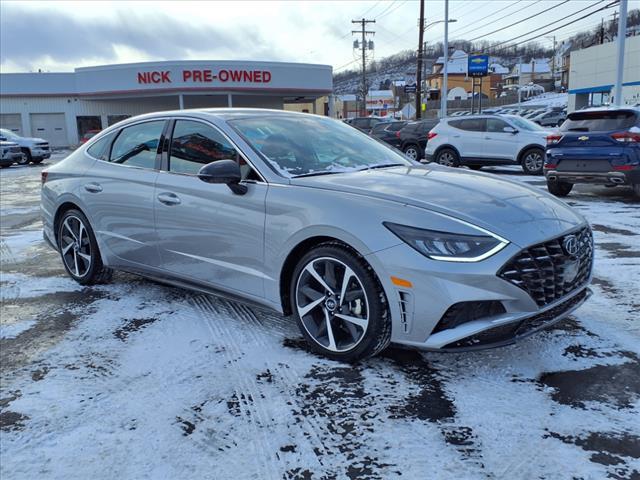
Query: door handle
(456, 136)
(169, 198)
(93, 187)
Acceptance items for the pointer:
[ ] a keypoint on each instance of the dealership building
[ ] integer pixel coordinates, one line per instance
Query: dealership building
(62, 107)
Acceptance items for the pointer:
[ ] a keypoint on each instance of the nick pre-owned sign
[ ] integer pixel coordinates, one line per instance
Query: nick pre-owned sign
(478, 65)
(205, 76)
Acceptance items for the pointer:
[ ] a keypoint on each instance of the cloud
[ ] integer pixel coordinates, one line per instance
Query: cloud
(29, 35)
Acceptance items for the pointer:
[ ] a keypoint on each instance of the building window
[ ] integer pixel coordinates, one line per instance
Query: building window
(88, 124)
(113, 119)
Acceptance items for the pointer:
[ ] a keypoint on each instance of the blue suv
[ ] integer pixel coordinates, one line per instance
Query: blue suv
(599, 146)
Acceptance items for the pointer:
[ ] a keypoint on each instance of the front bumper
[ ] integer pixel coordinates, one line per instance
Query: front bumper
(40, 154)
(417, 312)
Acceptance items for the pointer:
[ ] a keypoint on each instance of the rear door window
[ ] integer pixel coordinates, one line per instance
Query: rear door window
(599, 121)
(470, 124)
(137, 146)
(100, 148)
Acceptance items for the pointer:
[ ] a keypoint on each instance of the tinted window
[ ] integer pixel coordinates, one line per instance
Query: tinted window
(496, 125)
(195, 144)
(599, 121)
(137, 145)
(100, 149)
(380, 127)
(471, 124)
(424, 127)
(360, 123)
(396, 126)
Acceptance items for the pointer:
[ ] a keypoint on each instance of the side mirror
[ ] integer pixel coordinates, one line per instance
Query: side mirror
(224, 171)
(510, 130)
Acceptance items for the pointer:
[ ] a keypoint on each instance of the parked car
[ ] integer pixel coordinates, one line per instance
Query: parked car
(10, 153)
(365, 124)
(363, 247)
(549, 118)
(386, 131)
(88, 135)
(599, 146)
(413, 137)
(34, 149)
(488, 140)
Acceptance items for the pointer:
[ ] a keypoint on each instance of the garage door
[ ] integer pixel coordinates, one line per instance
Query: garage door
(11, 121)
(51, 127)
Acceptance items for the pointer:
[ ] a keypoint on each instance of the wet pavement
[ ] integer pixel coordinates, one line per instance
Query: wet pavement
(138, 380)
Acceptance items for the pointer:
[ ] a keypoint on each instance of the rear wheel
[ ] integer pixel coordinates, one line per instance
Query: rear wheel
(79, 250)
(559, 189)
(339, 304)
(412, 151)
(448, 157)
(533, 161)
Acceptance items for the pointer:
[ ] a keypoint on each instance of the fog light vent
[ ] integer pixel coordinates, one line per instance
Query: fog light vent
(464, 312)
(406, 310)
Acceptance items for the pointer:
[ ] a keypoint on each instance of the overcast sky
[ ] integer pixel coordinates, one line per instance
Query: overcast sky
(60, 36)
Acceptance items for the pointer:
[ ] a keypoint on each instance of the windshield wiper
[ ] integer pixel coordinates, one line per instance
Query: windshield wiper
(315, 174)
(382, 165)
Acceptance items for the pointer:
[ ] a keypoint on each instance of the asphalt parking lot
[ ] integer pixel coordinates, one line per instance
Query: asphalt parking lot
(139, 380)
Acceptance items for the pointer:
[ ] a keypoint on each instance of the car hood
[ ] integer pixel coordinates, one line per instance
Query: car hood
(522, 214)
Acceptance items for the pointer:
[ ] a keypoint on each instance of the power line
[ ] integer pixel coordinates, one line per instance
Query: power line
(520, 21)
(379, 16)
(466, 30)
(371, 8)
(553, 29)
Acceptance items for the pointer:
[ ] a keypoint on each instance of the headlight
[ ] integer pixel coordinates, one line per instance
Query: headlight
(449, 247)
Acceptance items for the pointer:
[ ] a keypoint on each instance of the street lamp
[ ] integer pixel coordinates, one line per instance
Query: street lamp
(453, 20)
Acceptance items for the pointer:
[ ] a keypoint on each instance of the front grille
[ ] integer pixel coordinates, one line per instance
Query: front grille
(547, 272)
(43, 146)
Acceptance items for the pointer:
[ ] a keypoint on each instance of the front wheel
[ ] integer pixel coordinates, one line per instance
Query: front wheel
(533, 161)
(559, 189)
(26, 157)
(339, 304)
(79, 250)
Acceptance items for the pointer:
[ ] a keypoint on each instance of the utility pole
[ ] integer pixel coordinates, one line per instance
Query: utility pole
(445, 68)
(622, 33)
(363, 46)
(419, 66)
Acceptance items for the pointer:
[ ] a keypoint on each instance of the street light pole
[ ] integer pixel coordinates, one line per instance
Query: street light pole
(622, 32)
(443, 90)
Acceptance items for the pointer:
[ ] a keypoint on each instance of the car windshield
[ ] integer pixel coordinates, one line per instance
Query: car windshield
(524, 124)
(296, 145)
(8, 134)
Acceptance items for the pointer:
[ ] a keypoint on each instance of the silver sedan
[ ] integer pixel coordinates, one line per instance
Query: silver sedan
(312, 218)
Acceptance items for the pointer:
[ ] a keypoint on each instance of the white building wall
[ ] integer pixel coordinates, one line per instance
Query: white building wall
(73, 107)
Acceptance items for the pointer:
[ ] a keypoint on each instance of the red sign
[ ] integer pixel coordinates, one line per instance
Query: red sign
(207, 76)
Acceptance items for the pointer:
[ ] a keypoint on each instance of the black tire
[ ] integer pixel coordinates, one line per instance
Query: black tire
(448, 157)
(26, 157)
(636, 189)
(532, 161)
(372, 339)
(413, 151)
(85, 272)
(475, 167)
(37, 161)
(559, 189)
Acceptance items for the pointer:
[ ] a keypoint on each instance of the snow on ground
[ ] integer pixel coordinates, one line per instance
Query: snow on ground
(137, 380)
(548, 100)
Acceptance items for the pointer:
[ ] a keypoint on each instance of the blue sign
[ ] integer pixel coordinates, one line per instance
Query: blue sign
(478, 65)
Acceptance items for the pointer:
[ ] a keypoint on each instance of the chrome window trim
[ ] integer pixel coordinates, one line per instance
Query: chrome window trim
(226, 137)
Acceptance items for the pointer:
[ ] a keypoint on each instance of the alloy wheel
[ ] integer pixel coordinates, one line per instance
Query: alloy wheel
(332, 304)
(446, 159)
(533, 162)
(75, 246)
(412, 153)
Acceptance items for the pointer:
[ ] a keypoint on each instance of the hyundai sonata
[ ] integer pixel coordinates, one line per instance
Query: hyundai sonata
(308, 216)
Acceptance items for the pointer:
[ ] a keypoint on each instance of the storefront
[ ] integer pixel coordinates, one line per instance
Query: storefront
(61, 107)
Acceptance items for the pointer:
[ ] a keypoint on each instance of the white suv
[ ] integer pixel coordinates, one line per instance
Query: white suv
(482, 140)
